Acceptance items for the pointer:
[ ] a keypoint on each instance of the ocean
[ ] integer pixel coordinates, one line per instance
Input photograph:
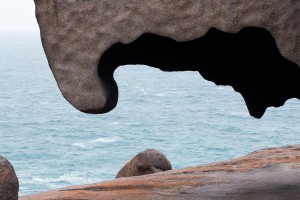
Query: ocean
(191, 120)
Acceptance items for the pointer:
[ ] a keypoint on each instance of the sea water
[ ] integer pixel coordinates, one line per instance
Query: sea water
(192, 121)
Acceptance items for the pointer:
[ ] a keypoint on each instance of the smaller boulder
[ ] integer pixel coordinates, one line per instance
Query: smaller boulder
(147, 162)
(9, 183)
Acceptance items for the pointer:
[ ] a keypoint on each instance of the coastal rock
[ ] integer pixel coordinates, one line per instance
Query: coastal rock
(272, 173)
(9, 184)
(147, 162)
(254, 46)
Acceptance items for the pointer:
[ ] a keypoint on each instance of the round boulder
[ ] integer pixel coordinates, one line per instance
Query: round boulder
(147, 162)
(9, 184)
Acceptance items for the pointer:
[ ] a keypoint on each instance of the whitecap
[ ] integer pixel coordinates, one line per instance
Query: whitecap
(78, 144)
(105, 140)
(140, 89)
(44, 103)
(41, 180)
(71, 178)
(50, 183)
(57, 181)
(159, 94)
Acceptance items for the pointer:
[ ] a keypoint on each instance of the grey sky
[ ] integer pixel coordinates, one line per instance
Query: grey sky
(17, 15)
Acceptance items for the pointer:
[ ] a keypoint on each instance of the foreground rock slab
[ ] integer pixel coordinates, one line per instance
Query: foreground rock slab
(272, 173)
(149, 161)
(9, 184)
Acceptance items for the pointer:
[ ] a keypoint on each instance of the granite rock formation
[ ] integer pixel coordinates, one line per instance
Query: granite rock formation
(272, 173)
(147, 162)
(77, 33)
(9, 184)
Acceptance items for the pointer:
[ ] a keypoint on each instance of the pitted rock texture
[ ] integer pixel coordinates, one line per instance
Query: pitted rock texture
(9, 184)
(272, 173)
(76, 33)
(147, 162)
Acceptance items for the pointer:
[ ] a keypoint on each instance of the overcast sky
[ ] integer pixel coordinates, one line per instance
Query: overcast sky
(17, 15)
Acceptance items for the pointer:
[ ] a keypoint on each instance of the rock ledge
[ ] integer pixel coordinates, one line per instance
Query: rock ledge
(272, 173)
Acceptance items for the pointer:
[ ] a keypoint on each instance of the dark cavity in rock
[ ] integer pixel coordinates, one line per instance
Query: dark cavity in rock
(249, 61)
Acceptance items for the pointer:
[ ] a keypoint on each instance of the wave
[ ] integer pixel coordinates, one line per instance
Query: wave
(105, 140)
(57, 181)
(78, 144)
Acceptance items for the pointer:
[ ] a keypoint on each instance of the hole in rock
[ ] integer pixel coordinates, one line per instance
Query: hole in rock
(249, 61)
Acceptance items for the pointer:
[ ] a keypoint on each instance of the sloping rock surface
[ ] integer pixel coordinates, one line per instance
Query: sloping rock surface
(9, 184)
(76, 33)
(266, 174)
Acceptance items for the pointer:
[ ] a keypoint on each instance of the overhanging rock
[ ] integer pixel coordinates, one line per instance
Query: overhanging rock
(76, 34)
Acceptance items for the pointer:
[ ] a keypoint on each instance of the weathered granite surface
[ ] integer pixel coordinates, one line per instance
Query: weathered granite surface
(266, 174)
(9, 184)
(149, 161)
(76, 33)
